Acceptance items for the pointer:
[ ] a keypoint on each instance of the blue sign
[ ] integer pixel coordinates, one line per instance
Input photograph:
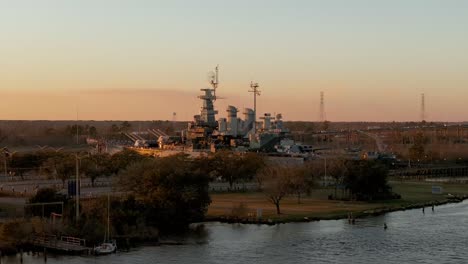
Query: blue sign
(72, 188)
(437, 190)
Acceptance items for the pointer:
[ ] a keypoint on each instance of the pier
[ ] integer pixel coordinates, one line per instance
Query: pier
(71, 245)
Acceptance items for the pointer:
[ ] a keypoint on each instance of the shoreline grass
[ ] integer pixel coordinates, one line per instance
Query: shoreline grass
(226, 206)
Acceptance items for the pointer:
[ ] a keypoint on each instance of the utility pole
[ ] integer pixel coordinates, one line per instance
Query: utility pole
(77, 186)
(325, 169)
(77, 189)
(254, 89)
(322, 107)
(108, 216)
(5, 156)
(423, 108)
(77, 131)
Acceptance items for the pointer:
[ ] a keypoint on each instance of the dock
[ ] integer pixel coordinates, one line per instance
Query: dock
(70, 245)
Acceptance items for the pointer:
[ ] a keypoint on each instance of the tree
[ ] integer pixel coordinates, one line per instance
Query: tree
(96, 165)
(49, 131)
(46, 195)
(325, 125)
(22, 163)
(114, 132)
(309, 127)
(92, 131)
(276, 184)
(125, 126)
(114, 129)
(337, 170)
(250, 164)
(73, 130)
(233, 167)
(226, 165)
(417, 150)
(301, 181)
(367, 180)
(49, 162)
(172, 189)
(65, 167)
(124, 158)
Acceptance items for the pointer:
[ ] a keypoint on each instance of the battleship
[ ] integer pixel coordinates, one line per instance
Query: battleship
(211, 132)
(207, 133)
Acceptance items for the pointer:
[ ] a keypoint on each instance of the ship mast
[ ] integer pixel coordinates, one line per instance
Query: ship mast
(207, 115)
(214, 80)
(254, 89)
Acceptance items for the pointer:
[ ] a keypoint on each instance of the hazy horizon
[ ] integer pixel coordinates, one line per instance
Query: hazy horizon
(144, 60)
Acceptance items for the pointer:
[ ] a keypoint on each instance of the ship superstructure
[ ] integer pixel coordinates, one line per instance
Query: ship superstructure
(205, 132)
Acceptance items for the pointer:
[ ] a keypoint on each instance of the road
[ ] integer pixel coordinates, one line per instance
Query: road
(102, 186)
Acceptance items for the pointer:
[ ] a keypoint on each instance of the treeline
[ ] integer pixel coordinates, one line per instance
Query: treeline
(59, 133)
(58, 164)
(167, 194)
(155, 195)
(360, 180)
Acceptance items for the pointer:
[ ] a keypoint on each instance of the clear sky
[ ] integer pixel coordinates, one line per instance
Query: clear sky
(144, 60)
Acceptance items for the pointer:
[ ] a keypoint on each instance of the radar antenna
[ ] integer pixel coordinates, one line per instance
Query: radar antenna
(213, 78)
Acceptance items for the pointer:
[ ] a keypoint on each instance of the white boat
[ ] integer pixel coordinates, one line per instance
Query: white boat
(108, 246)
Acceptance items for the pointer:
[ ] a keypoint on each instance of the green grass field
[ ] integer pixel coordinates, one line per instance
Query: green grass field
(318, 206)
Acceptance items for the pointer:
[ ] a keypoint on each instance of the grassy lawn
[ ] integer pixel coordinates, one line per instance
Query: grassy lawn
(317, 205)
(414, 192)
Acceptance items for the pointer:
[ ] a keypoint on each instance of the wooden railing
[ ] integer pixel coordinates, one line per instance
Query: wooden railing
(65, 243)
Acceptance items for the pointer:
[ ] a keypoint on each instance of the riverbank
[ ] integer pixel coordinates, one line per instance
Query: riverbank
(243, 207)
(411, 236)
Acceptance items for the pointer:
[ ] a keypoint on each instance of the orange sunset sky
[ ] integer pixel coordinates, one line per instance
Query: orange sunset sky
(144, 60)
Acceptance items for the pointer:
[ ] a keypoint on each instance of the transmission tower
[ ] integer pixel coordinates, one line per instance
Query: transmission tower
(322, 107)
(254, 89)
(423, 108)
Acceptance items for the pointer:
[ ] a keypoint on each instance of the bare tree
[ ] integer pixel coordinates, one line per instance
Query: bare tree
(337, 170)
(276, 184)
(301, 180)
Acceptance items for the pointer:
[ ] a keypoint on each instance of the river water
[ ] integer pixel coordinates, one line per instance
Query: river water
(412, 237)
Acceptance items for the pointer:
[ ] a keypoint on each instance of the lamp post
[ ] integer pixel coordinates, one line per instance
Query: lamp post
(57, 150)
(6, 153)
(325, 177)
(41, 149)
(77, 186)
(325, 170)
(77, 194)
